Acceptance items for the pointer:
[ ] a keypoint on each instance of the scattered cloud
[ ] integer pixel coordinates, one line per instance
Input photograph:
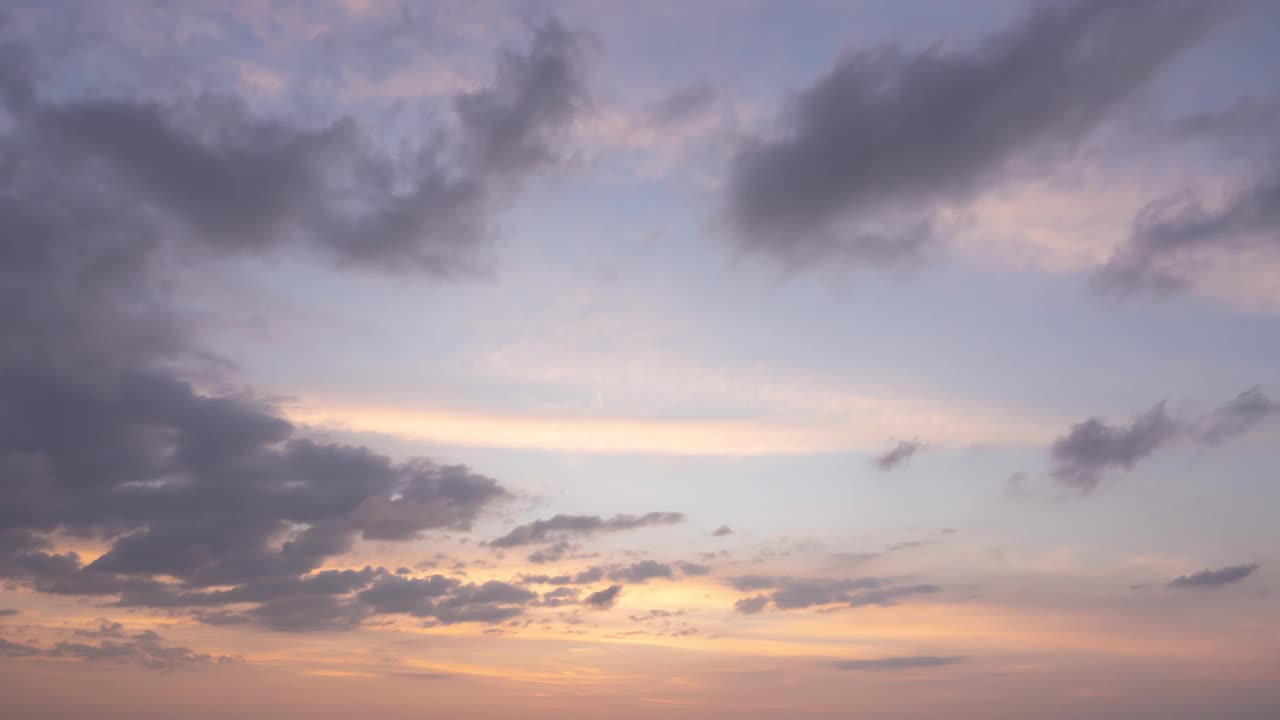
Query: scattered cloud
(1092, 449)
(900, 454)
(604, 599)
(540, 530)
(898, 663)
(886, 138)
(791, 593)
(1215, 578)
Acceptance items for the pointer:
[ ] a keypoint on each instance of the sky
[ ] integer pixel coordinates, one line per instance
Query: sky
(728, 359)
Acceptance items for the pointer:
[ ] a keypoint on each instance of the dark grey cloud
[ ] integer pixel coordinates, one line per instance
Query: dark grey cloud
(897, 663)
(559, 525)
(791, 593)
(6, 612)
(887, 134)
(445, 600)
(1172, 236)
(1083, 456)
(238, 183)
(604, 599)
(1237, 416)
(12, 649)
(146, 648)
(1092, 449)
(899, 454)
(561, 596)
(722, 531)
(642, 572)
(512, 126)
(106, 628)
(751, 605)
(1215, 578)
(222, 618)
(693, 569)
(552, 553)
(210, 501)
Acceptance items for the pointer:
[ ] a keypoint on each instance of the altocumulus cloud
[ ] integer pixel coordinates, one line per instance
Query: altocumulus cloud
(212, 503)
(869, 153)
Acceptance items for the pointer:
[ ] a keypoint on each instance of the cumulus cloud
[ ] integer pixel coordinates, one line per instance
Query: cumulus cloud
(604, 599)
(722, 531)
(897, 663)
(899, 454)
(1215, 578)
(206, 498)
(886, 138)
(248, 184)
(1092, 449)
(541, 530)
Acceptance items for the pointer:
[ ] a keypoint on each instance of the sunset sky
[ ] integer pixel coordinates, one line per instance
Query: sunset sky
(583, 359)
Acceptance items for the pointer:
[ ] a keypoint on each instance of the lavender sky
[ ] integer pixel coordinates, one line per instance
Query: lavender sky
(584, 359)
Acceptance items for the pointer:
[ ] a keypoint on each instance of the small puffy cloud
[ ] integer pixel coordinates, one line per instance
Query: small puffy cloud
(604, 599)
(1094, 448)
(899, 454)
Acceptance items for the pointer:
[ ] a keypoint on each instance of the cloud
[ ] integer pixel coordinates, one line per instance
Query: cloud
(642, 572)
(790, 593)
(1215, 578)
(683, 106)
(540, 530)
(145, 648)
(1237, 416)
(112, 421)
(900, 454)
(751, 605)
(511, 127)
(722, 531)
(447, 600)
(249, 184)
(7, 612)
(897, 663)
(604, 599)
(1091, 449)
(693, 569)
(561, 596)
(886, 138)
(17, 650)
(1173, 236)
